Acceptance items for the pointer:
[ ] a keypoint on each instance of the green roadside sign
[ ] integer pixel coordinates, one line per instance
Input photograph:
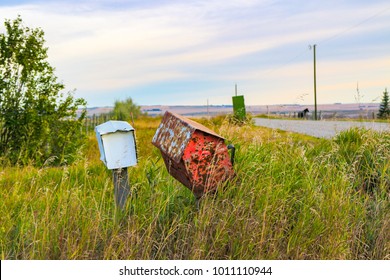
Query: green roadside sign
(239, 107)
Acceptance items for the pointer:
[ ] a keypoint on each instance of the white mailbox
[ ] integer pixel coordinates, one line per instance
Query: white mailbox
(117, 147)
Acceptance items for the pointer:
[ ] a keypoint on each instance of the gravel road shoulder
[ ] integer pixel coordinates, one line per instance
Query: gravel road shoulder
(321, 129)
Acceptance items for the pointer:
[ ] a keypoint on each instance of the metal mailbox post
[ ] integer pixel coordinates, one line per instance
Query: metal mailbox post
(118, 151)
(193, 154)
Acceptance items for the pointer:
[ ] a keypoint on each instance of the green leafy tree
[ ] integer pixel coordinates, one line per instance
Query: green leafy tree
(126, 110)
(37, 120)
(384, 109)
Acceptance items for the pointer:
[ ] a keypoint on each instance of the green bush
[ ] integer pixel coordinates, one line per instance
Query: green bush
(38, 121)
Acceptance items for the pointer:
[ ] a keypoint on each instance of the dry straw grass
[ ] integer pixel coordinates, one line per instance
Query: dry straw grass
(293, 197)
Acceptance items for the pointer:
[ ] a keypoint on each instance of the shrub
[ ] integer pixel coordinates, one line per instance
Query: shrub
(37, 120)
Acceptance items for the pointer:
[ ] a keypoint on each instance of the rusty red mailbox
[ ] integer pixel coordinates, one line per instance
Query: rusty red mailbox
(193, 154)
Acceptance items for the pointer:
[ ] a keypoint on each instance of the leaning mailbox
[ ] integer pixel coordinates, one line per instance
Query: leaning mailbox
(116, 144)
(193, 154)
(118, 151)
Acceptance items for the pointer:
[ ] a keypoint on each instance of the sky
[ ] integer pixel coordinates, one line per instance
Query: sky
(194, 52)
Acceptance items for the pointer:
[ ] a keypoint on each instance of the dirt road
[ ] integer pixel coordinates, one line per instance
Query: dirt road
(321, 129)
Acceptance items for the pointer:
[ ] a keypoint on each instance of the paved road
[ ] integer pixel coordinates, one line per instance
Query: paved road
(321, 129)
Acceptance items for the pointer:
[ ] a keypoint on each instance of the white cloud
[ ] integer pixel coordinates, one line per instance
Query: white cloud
(97, 49)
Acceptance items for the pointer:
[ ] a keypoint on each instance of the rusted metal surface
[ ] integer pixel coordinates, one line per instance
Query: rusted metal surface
(207, 161)
(193, 154)
(172, 136)
(174, 133)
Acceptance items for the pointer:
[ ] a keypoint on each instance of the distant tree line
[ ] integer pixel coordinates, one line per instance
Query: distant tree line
(125, 110)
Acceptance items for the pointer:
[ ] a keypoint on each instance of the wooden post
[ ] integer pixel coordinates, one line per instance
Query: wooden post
(121, 187)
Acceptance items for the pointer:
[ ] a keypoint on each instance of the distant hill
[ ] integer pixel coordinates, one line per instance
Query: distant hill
(98, 110)
(352, 110)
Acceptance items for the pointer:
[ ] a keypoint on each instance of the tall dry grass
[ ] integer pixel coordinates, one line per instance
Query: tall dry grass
(294, 197)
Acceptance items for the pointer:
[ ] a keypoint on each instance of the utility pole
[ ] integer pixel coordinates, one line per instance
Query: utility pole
(315, 84)
(208, 113)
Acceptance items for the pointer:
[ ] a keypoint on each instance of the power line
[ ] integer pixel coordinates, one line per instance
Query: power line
(267, 72)
(354, 26)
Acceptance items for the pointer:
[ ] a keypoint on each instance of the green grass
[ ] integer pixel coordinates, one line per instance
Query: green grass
(293, 197)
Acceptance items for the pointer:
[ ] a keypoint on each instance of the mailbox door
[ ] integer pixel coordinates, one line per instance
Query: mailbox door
(207, 162)
(119, 149)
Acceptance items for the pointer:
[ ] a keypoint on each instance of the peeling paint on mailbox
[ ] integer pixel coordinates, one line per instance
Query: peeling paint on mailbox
(193, 154)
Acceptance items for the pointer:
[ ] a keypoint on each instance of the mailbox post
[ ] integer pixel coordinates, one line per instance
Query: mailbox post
(117, 146)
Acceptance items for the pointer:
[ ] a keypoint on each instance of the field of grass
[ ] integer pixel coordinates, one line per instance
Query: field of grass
(294, 197)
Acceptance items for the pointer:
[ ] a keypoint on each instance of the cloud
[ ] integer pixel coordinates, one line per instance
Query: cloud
(118, 46)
